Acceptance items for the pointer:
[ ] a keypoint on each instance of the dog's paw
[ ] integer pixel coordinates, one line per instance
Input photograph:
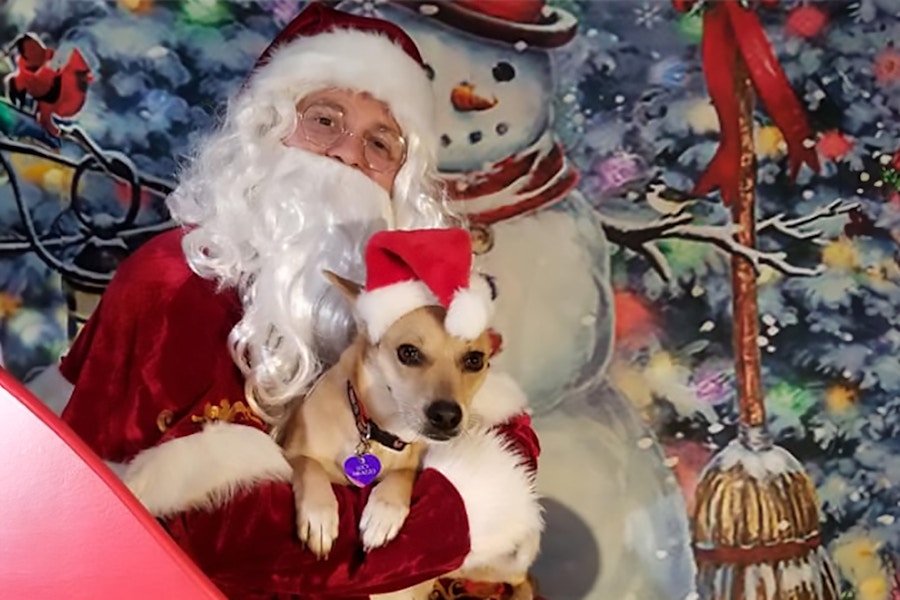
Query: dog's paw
(381, 521)
(318, 525)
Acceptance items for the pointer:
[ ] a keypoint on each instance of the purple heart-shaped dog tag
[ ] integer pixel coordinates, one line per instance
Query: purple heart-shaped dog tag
(362, 470)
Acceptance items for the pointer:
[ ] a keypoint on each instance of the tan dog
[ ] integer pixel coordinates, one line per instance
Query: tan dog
(413, 388)
(416, 383)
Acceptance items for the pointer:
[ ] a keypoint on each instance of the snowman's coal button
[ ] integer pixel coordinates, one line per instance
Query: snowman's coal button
(501, 128)
(475, 137)
(503, 71)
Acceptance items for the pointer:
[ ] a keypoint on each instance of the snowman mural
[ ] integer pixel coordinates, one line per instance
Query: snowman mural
(508, 174)
(616, 522)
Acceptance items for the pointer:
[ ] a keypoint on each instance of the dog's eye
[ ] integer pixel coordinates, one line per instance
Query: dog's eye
(409, 355)
(473, 361)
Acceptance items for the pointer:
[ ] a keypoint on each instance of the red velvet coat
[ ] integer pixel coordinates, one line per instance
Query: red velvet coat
(155, 386)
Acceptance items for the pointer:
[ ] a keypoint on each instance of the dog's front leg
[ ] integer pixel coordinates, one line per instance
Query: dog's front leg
(318, 519)
(387, 508)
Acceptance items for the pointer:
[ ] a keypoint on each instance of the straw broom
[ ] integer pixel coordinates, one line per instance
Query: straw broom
(755, 525)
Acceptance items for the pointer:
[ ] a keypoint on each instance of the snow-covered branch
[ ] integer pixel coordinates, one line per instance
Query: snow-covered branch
(722, 236)
(641, 238)
(795, 227)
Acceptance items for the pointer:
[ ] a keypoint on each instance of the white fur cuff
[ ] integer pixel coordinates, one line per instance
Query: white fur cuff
(498, 400)
(505, 520)
(204, 469)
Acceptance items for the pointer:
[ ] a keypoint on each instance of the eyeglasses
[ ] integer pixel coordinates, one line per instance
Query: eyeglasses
(323, 126)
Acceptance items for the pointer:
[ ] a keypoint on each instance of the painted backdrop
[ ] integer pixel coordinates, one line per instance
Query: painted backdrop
(571, 133)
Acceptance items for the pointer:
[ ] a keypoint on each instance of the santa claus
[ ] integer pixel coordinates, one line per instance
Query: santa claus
(208, 333)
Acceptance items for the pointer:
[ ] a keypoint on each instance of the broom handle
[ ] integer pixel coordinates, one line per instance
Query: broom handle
(751, 407)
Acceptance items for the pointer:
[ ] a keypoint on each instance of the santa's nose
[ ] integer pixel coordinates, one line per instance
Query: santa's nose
(465, 99)
(348, 150)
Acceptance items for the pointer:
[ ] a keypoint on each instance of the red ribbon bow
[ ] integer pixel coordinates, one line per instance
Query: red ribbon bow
(731, 31)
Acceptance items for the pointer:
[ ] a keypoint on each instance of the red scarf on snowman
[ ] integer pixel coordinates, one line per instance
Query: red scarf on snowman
(535, 178)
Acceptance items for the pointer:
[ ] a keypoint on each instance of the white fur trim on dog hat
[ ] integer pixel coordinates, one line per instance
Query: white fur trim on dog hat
(407, 270)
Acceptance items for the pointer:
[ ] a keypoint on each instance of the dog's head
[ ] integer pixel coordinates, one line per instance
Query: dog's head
(422, 379)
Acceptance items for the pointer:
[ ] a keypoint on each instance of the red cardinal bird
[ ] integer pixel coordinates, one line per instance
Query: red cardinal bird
(60, 92)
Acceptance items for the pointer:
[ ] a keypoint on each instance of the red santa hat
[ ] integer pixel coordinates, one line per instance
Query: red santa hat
(407, 270)
(322, 47)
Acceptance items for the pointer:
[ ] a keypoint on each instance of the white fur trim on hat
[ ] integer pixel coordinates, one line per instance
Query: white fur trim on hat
(379, 308)
(204, 469)
(366, 62)
(470, 310)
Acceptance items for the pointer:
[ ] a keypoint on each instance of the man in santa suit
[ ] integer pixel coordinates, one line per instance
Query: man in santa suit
(208, 332)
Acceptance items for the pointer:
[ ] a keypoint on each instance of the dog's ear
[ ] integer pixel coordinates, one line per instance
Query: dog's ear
(349, 289)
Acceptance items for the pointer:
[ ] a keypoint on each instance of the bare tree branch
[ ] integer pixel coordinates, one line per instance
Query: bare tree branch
(721, 236)
(794, 227)
(641, 238)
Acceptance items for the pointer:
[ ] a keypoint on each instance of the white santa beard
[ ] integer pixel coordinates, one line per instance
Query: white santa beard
(314, 213)
(554, 306)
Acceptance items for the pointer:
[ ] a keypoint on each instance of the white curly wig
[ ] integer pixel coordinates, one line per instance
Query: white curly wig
(266, 219)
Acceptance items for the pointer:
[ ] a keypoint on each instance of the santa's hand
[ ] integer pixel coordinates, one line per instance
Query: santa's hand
(386, 509)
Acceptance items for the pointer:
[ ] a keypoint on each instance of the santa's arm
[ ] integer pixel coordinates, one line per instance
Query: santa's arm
(473, 506)
(249, 545)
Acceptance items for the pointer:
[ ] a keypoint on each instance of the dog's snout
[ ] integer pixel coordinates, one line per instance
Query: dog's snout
(444, 415)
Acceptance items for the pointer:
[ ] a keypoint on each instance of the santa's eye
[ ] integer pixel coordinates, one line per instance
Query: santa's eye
(503, 71)
(429, 71)
(321, 121)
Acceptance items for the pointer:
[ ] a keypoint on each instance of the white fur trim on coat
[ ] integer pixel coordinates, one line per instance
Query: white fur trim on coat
(504, 515)
(356, 60)
(204, 469)
(470, 310)
(379, 308)
(498, 400)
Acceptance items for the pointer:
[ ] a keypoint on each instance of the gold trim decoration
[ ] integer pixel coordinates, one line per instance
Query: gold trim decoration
(227, 412)
(482, 238)
(164, 420)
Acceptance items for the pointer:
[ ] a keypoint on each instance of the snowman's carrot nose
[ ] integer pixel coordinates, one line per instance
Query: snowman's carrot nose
(465, 99)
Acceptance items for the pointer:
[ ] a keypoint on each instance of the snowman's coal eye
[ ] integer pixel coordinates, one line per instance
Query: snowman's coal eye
(503, 71)
(429, 72)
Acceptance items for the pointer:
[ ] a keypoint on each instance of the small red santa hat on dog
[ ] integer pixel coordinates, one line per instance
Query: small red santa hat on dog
(407, 270)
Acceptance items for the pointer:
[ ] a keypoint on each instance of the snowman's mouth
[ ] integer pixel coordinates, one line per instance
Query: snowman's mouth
(477, 135)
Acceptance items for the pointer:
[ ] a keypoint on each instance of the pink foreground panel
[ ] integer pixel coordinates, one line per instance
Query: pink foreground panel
(68, 527)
